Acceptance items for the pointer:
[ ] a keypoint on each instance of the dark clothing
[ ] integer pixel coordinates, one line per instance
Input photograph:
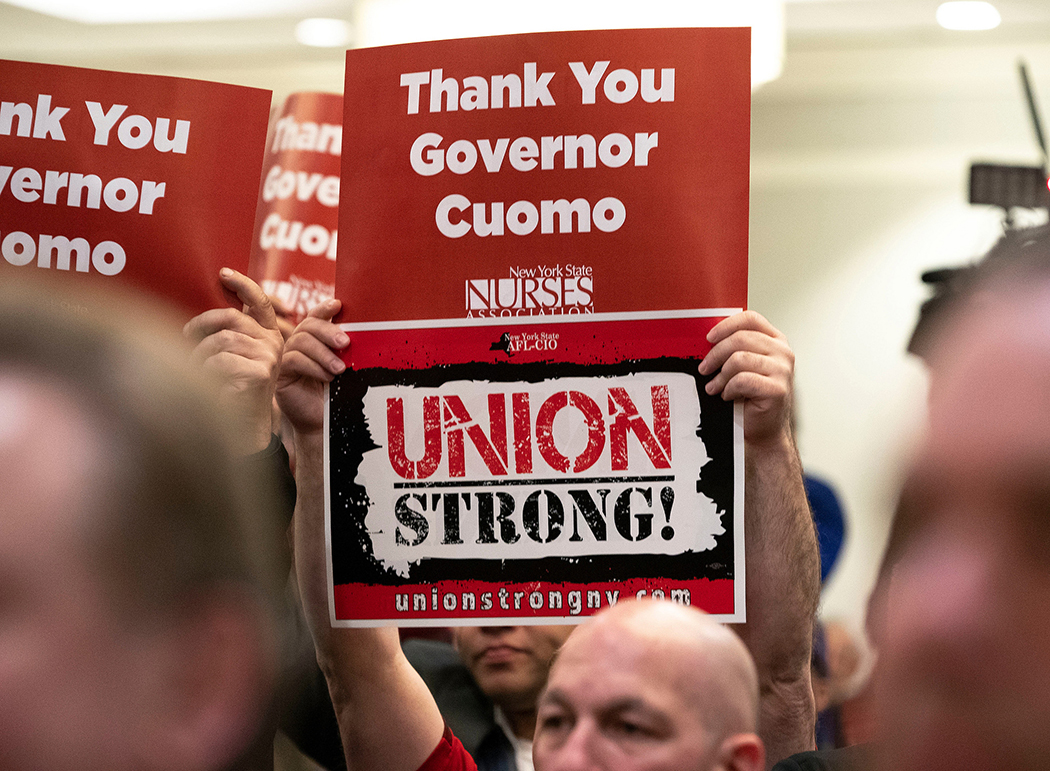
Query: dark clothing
(309, 721)
(856, 758)
(467, 711)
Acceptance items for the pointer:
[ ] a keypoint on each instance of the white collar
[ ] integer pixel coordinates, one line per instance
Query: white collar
(522, 747)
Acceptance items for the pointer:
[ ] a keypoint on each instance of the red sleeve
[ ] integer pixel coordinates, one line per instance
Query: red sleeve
(449, 755)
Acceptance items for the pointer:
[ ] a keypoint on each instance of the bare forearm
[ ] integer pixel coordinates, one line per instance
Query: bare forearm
(782, 558)
(783, 586)
(751, 362)
(308, 530)
(387, 717)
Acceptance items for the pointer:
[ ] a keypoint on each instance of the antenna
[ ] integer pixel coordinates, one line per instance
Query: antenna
(1033, 110)
(1009, 187)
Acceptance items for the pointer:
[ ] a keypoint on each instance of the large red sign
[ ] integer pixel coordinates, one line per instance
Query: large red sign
(138, 179)
(572, 172)
(540, 232)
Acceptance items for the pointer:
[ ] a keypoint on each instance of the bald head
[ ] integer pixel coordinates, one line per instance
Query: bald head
(710, 666)
(650, 679)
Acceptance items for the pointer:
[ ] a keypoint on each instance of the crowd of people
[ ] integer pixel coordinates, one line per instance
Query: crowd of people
(152, 565)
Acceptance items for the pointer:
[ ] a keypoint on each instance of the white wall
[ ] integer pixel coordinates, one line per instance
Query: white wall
(859, 172)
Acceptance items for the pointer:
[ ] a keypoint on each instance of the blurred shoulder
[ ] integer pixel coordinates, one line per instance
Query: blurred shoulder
(856, 758)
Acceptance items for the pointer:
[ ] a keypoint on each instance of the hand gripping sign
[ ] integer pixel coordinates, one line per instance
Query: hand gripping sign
(522, 435)
(136, 179)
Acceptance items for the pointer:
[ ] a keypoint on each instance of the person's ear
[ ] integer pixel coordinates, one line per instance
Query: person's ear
(742, 752)
(214, 685)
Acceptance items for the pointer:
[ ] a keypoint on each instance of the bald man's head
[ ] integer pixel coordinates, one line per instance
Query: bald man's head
(709, 665)
(650, 684)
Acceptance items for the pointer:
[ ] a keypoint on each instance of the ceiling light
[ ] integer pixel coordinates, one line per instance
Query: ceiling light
(128, 11)
(386, 22)
(323, 33)
(968, 15)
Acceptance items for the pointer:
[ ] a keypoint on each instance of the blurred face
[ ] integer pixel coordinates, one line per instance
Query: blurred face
(965, 659)
(66, 665)
(612, 705)
(510, 663)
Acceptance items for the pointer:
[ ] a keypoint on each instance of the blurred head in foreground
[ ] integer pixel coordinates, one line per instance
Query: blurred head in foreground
(137, 623)
(964, 680)
(653, 685)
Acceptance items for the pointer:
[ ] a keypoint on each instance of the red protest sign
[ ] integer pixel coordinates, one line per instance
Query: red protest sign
(296, 229)
(544, 229)
(142, 180)
(526, 472)
(555, 173)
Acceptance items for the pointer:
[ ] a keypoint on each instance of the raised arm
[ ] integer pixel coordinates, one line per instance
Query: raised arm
(387, 717)
(754, 364)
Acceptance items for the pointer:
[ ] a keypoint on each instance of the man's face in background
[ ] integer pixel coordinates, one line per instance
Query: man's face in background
(510, 663)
